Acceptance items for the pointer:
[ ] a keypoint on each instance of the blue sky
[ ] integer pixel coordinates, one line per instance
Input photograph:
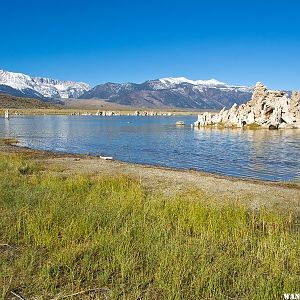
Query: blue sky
(238, 42)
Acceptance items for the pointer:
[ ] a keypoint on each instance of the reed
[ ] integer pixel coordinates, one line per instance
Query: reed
(61, 235)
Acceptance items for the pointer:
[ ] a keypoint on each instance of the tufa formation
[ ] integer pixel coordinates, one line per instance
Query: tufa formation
(267, 109)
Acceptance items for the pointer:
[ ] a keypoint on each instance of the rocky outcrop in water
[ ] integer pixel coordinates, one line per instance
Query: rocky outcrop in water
(268, 108)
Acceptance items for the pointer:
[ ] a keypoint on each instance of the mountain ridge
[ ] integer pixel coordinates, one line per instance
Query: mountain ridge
(177, 92)
(20, 84)
(172, 92)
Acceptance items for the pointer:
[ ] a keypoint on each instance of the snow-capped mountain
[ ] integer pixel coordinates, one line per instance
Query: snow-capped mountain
(172, 92)
(170, 81)
(165, 92)
(19, 84)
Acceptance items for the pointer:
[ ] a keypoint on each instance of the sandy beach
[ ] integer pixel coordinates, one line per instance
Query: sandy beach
(253, 193)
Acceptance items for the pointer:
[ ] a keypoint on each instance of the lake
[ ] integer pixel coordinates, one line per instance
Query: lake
(260, 154)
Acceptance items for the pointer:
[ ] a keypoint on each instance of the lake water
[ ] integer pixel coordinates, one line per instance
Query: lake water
(261, 154)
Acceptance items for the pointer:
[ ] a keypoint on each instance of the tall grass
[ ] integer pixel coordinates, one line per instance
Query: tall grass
(66, 234)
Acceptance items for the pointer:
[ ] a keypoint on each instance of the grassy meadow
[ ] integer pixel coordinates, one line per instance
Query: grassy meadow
(64, 234)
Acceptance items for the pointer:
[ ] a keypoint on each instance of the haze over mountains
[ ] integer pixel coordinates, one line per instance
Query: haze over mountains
(165, 92)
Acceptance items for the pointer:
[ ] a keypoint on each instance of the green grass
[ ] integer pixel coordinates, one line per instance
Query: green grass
(61, 235)
(253, 126)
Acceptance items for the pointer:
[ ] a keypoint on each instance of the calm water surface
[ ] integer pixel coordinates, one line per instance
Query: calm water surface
(262, 154)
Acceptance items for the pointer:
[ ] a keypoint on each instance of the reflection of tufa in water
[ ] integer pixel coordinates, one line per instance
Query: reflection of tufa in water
(180, 123)
(6, 114)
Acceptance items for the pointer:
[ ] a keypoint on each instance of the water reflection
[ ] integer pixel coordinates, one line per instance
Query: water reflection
(264, 154)
(255, 153)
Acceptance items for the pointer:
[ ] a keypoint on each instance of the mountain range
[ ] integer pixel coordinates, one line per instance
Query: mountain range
(172, 92)
(21, 85)
(165, 92)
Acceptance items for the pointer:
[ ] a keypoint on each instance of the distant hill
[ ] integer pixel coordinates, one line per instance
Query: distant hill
(12, 102)
(172, 92)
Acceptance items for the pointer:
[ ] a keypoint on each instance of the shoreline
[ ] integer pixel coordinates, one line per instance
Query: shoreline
(66, 111)
(174, 169)
(170, 181)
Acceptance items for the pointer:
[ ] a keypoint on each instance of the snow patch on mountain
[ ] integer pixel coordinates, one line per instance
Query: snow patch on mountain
(180, 80)
(170, 82)
(48, 88)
